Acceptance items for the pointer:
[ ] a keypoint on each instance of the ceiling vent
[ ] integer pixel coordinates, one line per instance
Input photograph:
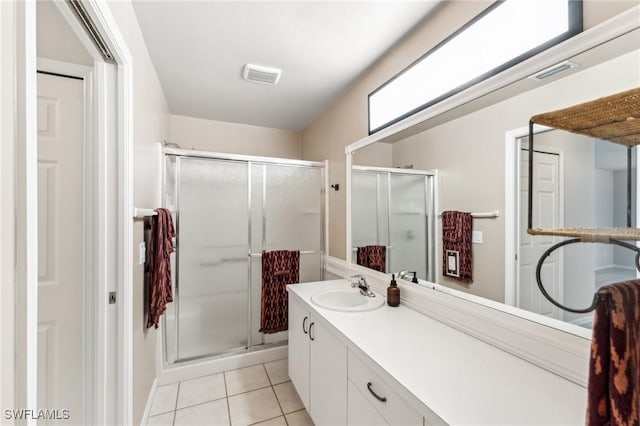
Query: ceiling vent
(261, 74)
(553, 70)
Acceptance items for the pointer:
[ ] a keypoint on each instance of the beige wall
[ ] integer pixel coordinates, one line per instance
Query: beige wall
(346, 120)
(234, 138)
(150, 127)
(55, 38)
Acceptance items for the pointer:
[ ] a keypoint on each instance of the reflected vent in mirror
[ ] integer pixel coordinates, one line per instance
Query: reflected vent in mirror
(553, 70)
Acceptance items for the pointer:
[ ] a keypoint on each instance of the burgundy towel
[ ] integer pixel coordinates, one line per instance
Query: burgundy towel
(456, 236)
(279, 268)
(614, 368)
(372, 257)
(159, 265)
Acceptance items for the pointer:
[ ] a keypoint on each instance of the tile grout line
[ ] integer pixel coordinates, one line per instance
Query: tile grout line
(275, 394)
(224, 377)
(199, 403)
(175, 407)
(267, 373)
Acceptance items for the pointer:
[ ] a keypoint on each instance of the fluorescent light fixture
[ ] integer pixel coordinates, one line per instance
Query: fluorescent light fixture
(508, 32)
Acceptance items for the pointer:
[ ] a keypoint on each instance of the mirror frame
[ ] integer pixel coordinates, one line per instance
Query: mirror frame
(615, 27)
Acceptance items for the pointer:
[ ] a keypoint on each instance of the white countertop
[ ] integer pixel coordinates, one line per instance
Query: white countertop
(460, 378)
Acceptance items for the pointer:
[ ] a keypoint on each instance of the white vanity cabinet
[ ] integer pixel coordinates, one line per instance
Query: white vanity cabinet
(317, 366)
(373, 400)
(396, 366)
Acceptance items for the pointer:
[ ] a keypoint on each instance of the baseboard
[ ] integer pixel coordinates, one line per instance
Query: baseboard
(602, 268)
(196, 369)
(613, 265)
(147, 408)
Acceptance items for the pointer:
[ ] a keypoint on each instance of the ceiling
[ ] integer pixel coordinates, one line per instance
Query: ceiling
(199, 48)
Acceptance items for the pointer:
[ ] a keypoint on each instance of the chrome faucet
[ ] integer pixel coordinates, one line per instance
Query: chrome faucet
(362, 285)
(406, 275)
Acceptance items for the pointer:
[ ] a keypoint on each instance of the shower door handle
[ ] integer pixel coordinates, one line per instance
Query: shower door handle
(303, 322)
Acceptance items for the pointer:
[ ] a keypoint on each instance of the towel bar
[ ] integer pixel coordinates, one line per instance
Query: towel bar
(138, 212)
(485, 215)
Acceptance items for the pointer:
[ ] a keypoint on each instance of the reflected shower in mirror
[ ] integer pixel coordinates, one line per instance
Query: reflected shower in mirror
(475, 150)
(394, 211)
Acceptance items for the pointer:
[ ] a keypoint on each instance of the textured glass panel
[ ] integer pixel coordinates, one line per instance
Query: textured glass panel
(365, 211)
(293, 208)
(212, 257)
(310, 267)
(408, 222)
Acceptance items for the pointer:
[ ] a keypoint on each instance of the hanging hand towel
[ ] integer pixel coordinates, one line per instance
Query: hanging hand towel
(159, 265)
(457, 257)
(279, 268)
(614, 368)
(372, 257)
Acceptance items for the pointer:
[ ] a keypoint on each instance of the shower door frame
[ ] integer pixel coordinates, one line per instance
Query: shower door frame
(430, 200)
(250, 160)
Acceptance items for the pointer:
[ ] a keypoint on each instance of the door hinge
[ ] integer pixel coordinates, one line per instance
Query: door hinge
(112, 297)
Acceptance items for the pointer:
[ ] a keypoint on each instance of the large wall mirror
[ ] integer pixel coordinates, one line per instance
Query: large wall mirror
(477, 150)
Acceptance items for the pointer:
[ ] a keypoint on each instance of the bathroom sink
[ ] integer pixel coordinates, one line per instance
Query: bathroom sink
(349, 300)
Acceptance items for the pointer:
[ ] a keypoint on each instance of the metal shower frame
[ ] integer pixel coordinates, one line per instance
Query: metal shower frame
(179, 153)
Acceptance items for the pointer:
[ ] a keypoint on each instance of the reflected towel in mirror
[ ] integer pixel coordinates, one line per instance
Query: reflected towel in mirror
(372, 257)
(457, 259)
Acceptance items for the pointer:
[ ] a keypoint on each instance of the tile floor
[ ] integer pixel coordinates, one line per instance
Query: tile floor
(258, 395)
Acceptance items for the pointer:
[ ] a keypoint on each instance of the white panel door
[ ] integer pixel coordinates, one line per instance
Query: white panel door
(60, 238)
(546, 215)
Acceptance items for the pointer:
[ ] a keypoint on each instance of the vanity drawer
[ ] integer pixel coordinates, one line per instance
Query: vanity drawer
(394, 408)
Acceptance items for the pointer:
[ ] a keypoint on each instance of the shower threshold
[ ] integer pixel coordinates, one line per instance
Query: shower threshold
(226, 354)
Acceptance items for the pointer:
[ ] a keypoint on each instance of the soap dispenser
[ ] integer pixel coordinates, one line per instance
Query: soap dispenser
(393, 292)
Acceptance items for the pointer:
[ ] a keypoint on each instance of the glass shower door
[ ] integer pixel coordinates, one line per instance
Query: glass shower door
(287, 213)
(212, 258)
(369, 209)
(408, 223)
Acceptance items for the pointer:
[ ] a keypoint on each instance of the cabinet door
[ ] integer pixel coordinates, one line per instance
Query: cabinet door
(328, 385)
(360, 412)
(299, 323)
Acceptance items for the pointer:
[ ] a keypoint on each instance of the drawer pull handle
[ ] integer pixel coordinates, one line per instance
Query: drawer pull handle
(303, 322)
(310, 327)
(376, 396)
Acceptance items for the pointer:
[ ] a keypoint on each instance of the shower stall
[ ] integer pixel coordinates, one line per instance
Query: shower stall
(394, 208)
(228, 209)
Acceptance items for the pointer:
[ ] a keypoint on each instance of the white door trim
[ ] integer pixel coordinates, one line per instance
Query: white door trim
(26, 198)
(113, 197)
(8, 211)
(121, 276)
(512, 209)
